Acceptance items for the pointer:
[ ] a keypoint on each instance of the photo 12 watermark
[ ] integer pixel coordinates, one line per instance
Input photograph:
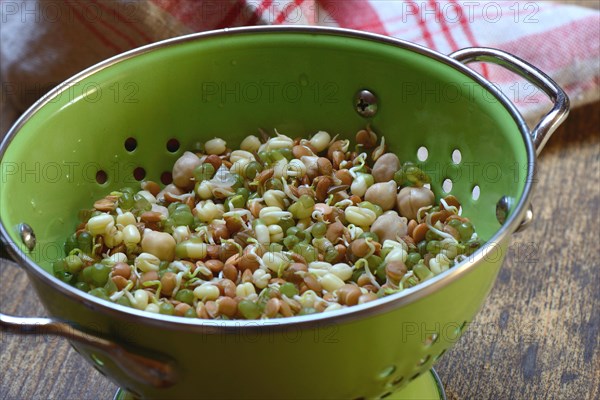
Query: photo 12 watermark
(425, 92)
(325, 12)
(271, 92)
(66, 171)
(469, 11)
(68, 12)
(476, 172)
(89, 92)
(331, 11)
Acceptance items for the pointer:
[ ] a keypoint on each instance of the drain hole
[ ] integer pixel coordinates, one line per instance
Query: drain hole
(431, 339)
(388, 371)
(464, 326)
(415, 376)
(424, 360)
(435, 358)
(130, 144)
(166, 178)
(456, 156)
(398, 380)
(101, 177)
(173, 145)
(455, 333)
(139, 173)
(96, 360)
(422, 153)
(476, 192)
(502, 208)
(447, 185)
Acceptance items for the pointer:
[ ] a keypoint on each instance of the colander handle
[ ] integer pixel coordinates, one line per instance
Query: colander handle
(154, 369)
(548, 124)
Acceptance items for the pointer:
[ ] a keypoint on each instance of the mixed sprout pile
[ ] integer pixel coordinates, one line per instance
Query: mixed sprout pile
(278, 228)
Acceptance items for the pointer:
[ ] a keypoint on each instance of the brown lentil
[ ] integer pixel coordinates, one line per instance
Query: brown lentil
(227, 287)
(149, 276)
(181, 308)
(230, 272)
(411, 226)
(323, 183)
(367, 138)
(214, 160)
(219, 232)
(248, 262)
(300, 151)
(212, 309)
(451, 201)
(272, 307)
(363, 280)
(344, 176)
(360, 248)
(152, 187)
(419, 232)
(365, 298)
(349, 294)
(106, 204)
(168, 283)
(440, 216)
(227, 306)
(215, 266)
(151, 216)
(395, 271)
(247, 276)
(450, 230)
(285, 310)
(119, 281)
(201, 311)
(312, 283)
(121, 269)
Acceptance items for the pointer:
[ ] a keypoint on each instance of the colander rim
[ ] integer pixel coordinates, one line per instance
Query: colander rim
(345, 315)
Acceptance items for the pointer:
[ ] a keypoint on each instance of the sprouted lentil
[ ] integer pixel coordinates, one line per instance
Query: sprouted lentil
(279, 228)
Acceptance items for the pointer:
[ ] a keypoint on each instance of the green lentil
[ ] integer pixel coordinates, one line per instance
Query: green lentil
(412, 259)
(84, 242)
(185, 296)
(166, 308)
(204, 172)
(99, 292)
(249, 309)
(288, 289)
(318, 230)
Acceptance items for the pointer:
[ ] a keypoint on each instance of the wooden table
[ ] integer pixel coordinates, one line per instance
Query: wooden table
(536, 337)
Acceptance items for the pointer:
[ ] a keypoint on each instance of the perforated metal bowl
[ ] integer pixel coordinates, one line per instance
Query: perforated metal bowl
(298, 80)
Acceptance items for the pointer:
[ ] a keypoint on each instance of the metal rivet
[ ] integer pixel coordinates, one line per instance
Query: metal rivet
(502, 208)
(527, 219)
(423, 360)
(366, 103)
(386, 372)
(27, 236)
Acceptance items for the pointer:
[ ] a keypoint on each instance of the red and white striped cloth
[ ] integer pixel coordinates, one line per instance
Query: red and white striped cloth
(43, 42)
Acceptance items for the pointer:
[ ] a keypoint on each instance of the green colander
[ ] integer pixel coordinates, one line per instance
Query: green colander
(132, 116)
